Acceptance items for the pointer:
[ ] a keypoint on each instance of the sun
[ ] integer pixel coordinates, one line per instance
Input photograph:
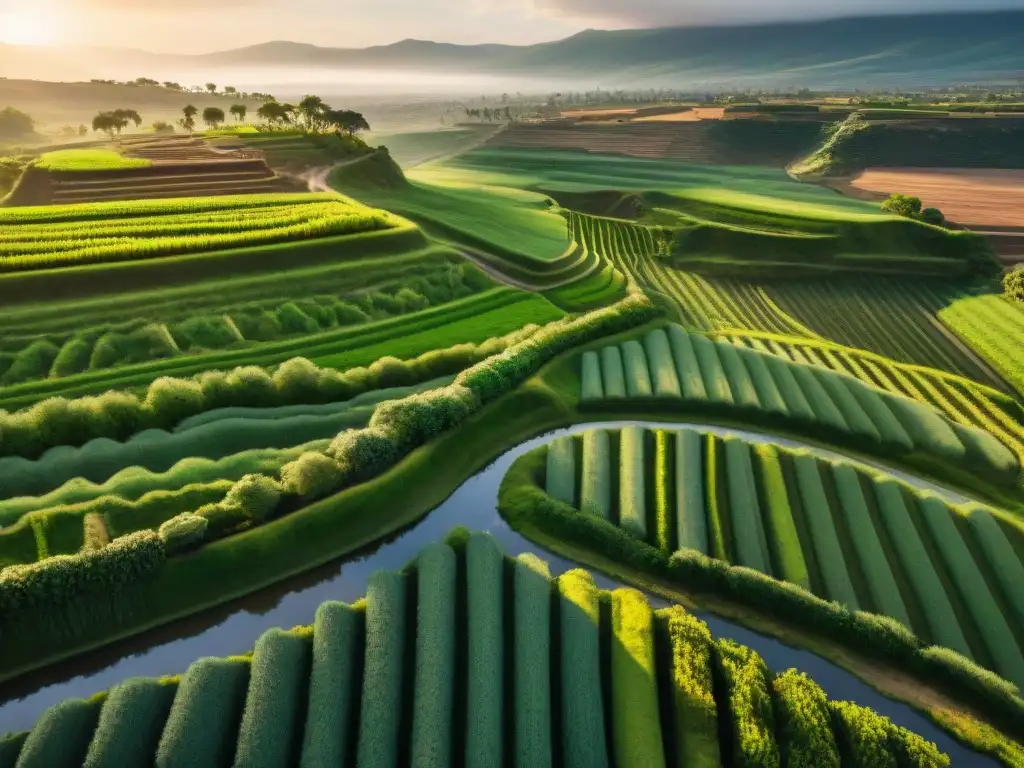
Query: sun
(23, 27)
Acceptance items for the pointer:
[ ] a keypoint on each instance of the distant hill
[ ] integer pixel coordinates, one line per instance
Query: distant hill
(871, 51)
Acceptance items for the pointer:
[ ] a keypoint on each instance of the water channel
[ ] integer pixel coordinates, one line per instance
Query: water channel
(234, 628)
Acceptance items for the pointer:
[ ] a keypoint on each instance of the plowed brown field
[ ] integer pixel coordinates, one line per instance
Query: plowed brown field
(974, 198)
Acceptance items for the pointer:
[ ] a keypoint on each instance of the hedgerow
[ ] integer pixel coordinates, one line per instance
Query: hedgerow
(748, 705)
(183, 532)
(691, 515)
(595, 474)
(333, 685)
(561, 473)
(61, 737)
(804, 723)
(694, 709)
(632, 491)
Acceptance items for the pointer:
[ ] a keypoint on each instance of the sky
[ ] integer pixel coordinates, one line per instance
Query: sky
(200, 26)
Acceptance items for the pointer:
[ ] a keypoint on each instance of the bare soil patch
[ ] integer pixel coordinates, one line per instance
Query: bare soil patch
(689, 116)
(978, 199)
(578, 113)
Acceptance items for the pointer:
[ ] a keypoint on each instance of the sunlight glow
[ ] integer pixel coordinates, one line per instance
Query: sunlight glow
(22, 27)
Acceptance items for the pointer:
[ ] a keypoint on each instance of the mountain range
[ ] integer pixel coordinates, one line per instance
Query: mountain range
(883, 51)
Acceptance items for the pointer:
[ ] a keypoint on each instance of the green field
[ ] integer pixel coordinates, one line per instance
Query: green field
(89, 160)
(848, 534)
(315, 694)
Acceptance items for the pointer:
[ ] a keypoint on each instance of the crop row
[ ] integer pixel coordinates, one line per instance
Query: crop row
(994, 327)
(962, 400)
(861, 539)
(675, 369)
(381, 683)
(29, 248)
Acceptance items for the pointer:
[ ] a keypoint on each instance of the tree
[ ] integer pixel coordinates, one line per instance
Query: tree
(933, 216)
(273, 113)
(230, 90)
(189, 111)
(348, 121)
(108, 123)
(903, 205)
(211, 87)
(213, 116)
(172, 86)
(313, 110)
(188, 123)
(1013, 284)
(126, 115)
(15, 124)
(239, 111)
(82, 130)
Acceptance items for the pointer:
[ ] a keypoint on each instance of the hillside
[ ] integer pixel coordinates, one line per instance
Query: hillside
(862, 52)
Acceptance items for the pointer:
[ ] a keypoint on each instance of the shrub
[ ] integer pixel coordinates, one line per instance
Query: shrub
(130, 724)
(294, 321)
(749, 706)
(349, 314)
(205, 332)
(222, 519)
(183, 532)
(33, 362)
(392, 372)
(311, 476)
(61, 736)
(257, 496)
(363, 453)
(902, 205)
(73, 358)
(933, 216)
(171, 400)
(804, 722)
(1013, 284)
(297, 381)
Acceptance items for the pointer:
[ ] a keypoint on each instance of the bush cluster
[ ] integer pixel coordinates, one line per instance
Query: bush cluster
(183, 532)
(59, 580)
(526, 505)
(118, 415)
(1013, 284)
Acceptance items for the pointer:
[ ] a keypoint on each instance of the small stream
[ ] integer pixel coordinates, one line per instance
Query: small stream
(234, 628)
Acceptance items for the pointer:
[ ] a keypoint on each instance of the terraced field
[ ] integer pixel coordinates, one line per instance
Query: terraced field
(994, 328)
(150, 169)
(848, 534)
(550, 671)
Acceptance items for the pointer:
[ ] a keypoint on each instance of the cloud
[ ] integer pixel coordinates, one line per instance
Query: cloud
(653, 13)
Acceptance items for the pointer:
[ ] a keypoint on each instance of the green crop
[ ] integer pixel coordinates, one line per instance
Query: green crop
(747, 523)
(825, 411)
(532, 694)
(717, 499)
(561, 470)
(796, 402)
(636, 725)
(749, 706)
(333, 685)
(595, 474)
(857, 420)
(885, 593)
(988, 618)
(592, 387)
(687, 368)
(663, 370)
(742, 387)
(89, 160)
(691, 514)
(632, 494)
(710, 365)
(583, 727)
(202, 727)
(1006, 566)
(130, 724)
(767, 391)
(384, 672)
(638, 376)
(917, 565)
(664, 490)
(927, 429)
(60, 738)
(824, 537)
(875, 405)
(270, 733)
(484, 604)
(804, 723)
(784, 536)
(612, 373)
